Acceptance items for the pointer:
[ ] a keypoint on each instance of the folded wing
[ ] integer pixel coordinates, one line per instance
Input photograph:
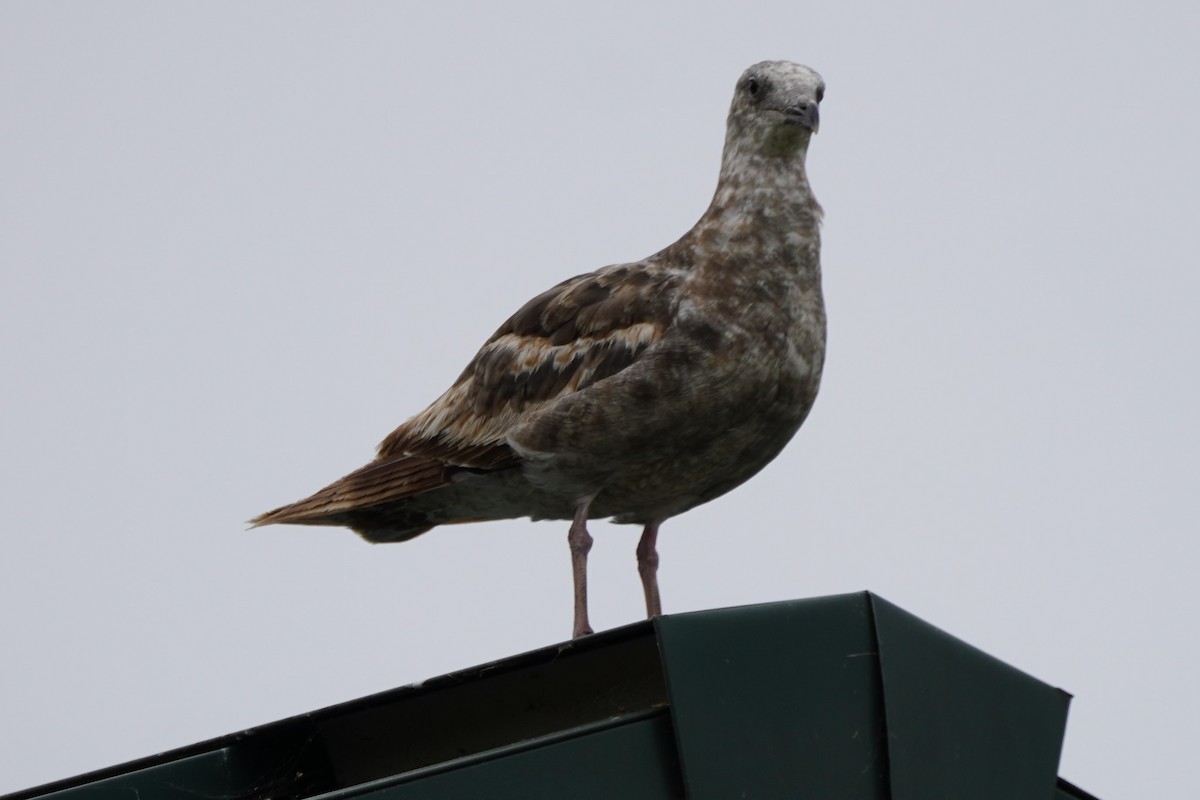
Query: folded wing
(566, 339)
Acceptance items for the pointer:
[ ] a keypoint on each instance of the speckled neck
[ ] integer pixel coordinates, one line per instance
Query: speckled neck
(762, 209)
(763, 175)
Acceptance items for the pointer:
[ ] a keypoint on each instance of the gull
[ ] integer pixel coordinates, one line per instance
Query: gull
(640, 390)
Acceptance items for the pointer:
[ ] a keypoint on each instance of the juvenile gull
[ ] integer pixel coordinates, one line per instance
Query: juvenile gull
(636, 391)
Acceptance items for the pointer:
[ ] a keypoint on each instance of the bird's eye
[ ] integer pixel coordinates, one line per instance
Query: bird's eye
(820, 93)
(753, 87)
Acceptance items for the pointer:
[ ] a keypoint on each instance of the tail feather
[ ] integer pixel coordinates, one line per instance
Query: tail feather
(375, 484)
(389, 499)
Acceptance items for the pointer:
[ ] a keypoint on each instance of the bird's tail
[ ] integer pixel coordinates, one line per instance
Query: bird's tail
(372, 494)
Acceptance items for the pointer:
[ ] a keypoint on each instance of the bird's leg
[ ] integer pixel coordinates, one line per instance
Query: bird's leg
(647, 556)
(581, 542)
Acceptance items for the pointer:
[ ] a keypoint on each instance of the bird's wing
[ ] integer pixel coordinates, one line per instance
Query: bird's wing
(566, 339)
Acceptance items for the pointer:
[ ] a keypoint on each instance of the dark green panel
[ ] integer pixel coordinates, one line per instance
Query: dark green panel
(206, 775)
(289, 765)
(631, 761)
(471, 712)
(960, 722)
(842, 697)
(777, 701)
(555, 689)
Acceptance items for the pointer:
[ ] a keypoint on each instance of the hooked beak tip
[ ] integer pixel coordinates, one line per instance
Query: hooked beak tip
(804, 114)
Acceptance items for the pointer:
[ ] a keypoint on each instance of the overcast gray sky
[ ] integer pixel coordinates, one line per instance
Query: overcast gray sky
(243, 241)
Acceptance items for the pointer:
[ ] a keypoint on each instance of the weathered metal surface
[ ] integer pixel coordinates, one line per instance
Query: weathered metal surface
(777, 701)
(843, 697)
(961, 723)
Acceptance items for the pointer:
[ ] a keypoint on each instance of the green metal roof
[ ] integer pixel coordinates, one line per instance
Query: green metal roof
(836, 697)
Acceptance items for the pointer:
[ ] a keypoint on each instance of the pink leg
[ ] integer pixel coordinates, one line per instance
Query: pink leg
(647, 557)
(581, 542)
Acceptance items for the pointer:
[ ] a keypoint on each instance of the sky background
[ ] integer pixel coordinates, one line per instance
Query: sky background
(241, 242)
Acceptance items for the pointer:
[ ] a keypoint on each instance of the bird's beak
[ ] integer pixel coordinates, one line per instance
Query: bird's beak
(804, 114)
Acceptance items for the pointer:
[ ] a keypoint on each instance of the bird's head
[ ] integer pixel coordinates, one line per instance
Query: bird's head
(775, 108)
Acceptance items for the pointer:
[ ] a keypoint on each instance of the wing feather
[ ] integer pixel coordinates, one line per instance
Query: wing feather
(581, 331)
(566, 339)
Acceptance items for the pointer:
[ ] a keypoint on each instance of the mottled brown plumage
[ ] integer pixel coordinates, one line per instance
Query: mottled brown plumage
(637, 391)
